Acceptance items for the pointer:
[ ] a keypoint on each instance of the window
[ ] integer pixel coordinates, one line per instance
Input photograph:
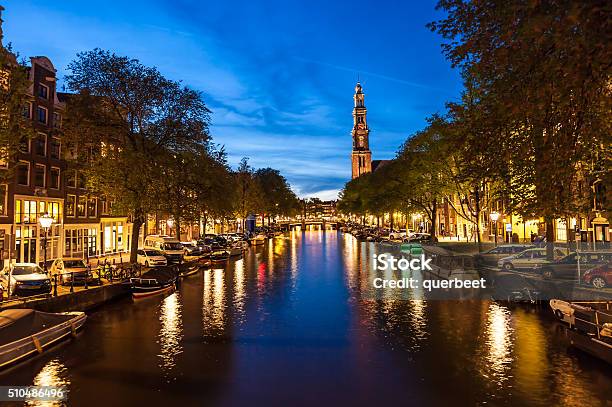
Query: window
(55, 147)
(91, 207)
(81, 206)
(70, 203)
(39, 175)
(43, 91)
(24, 145)
(3, 198)
(57, 120)
(71, 179)
(55, 178)
(41, 114)
(103, 206)
(27, 110)
(81, 180)
(23, 173)
(40, 144)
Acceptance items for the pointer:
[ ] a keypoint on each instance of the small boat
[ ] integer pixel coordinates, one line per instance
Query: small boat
(258, 239)
(25, 332)
(590, 326)
(153, 282)
(235, 250)
(189, 270)
(219, 256)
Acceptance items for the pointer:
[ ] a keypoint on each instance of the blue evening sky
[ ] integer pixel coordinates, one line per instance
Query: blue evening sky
(279, 76)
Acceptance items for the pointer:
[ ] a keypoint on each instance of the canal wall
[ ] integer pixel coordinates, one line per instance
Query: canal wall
(81, 300)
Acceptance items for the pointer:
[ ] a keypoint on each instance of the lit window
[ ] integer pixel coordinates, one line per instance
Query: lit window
(81, 206)
(3, 198)
(70, 203)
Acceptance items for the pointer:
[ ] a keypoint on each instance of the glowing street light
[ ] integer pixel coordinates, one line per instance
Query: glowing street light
(494, 217)
(45, 222)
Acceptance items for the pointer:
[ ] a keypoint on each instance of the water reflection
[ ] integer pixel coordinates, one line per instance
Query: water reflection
(213, 307)
(296, 318)
(170, 332)
(499, 342)
(54, 374)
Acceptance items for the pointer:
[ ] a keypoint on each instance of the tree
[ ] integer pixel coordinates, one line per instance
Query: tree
(15, 127)
(276, 194)
(249, 193)
(122, 121)
(543, 70)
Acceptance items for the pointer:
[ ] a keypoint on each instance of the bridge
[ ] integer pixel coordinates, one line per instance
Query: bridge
(316, 223)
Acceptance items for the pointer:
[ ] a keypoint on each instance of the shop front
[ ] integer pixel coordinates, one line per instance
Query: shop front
(27, 235)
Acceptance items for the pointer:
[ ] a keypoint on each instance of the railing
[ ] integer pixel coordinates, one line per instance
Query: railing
(597, 319)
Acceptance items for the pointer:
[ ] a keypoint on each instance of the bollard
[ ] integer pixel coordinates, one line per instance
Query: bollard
(72, 281)
(55, 285)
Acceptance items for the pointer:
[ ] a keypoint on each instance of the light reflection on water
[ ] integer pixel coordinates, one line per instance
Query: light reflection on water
(213, 307)
(170, 332)
(53, 374)
(499, 340)
(296, 316)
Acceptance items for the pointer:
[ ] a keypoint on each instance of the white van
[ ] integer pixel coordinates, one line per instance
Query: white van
(171, 248)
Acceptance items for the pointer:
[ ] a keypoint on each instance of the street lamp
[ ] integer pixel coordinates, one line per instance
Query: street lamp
(45, 222)
(170, 223)
(494, 216)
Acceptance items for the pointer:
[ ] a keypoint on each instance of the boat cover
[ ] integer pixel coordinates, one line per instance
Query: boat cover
(20, 323)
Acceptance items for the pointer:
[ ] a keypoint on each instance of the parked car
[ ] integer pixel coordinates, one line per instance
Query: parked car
(421, 238)
(191, 249)
(492, 256)
(398, 234)
(169, 246)
(25, 278)
(527, 259)
(599, 277)
(151, 258)
(71, 270)
(567, 267)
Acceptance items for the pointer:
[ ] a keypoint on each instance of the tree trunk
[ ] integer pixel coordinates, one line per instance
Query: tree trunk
(135, 235)
(477, 211)
(177, 225)
(434, 217)
(550, 238)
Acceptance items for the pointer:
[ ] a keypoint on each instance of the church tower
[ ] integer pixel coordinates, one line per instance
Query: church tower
(361, 157)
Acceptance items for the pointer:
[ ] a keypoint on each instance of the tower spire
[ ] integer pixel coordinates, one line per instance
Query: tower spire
(361, 157)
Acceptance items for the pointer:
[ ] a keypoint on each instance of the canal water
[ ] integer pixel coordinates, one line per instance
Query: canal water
(292, 323)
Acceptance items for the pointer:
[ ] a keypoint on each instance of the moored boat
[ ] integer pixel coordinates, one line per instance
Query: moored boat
(235, 250)
(258, 239)
(219, 256)
(24, 332)
(590, 326)
(153, 282)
